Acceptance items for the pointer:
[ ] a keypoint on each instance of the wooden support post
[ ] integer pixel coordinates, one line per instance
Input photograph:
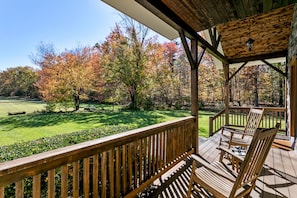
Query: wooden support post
(227, 92)
(293, 98)
(194, 92)
(193, 60)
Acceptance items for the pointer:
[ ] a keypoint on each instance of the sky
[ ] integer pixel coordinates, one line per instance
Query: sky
(67, 24)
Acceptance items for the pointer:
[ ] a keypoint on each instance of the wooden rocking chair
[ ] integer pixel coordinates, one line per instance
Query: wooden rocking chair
(237, 137)
(216, 178)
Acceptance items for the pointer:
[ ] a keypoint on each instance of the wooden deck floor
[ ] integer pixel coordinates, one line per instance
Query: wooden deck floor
(278, 178)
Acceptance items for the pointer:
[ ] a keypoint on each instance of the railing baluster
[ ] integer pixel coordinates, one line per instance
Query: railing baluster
(124, 165)
(130, 166)
(95, 175)
(150, 156)
(64, 181)
(154, 150)
(135, 162)
(111, 171)
(86, 177)
(157, 151)
(145, 160)
(140, 160)
(19, 189)
(51, 183)
(161, 150)
(75, 181)
(36, 186)
(104, 174)
(118, 172)
(1, 192)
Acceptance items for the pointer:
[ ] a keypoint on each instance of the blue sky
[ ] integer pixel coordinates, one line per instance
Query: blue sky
(65, 23)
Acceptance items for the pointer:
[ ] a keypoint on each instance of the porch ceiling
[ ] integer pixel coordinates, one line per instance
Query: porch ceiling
(267, 22)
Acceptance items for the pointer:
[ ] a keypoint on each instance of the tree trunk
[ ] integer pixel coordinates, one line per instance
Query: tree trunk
(76, 102)
(133, 96)
(281, 94)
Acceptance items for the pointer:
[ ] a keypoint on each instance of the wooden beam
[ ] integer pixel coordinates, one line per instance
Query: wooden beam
(258, 57)
(194, 94)
(227, 92)
(237, 70)
(275, 68)
(201, 56)
(213, 37)
(186, 48)
(166, 14)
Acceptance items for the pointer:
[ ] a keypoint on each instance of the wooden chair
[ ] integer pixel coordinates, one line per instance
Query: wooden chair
(217, 179)
(237, 137)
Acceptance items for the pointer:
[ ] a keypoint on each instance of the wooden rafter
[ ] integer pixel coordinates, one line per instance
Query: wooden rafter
(161, 10)
(193, 63)
(213, 37)
(186, 48)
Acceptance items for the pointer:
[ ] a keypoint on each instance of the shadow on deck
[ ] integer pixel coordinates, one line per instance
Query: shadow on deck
(278, 177)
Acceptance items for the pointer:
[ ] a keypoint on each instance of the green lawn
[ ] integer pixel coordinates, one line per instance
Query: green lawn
(33, 125)
(13, 106)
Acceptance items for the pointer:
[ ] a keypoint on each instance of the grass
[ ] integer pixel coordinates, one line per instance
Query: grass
(32, 126)
(19, 105)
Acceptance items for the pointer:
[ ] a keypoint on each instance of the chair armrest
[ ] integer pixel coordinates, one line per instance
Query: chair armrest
(232, 130)
(229, 151)
(202, 163)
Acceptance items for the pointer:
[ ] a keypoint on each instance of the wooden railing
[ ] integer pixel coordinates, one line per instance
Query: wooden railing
(115, 166)
(238, 117)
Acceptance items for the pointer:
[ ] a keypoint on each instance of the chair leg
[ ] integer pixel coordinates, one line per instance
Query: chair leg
(222, 156)
(191, 179)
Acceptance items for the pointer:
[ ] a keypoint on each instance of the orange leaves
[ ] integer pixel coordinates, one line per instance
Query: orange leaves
(71, 74)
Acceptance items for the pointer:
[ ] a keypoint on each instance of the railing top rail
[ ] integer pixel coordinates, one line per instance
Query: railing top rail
(265, 108)
(40, 162)
(218, 114)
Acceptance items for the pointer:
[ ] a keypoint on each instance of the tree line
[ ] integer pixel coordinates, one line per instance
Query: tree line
(131, 68)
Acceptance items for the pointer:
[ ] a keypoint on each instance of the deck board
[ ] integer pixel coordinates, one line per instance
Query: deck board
(278, 177)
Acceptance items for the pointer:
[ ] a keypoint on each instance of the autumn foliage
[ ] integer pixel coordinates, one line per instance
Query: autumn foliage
(133, 69)
(69, 77)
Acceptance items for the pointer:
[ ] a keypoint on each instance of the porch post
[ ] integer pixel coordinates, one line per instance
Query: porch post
(227, 92)
(194, 93)
(292, 84)
(293, 98)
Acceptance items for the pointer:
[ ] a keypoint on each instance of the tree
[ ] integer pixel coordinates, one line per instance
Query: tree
(125, 58)
(18, 81)
(67, 77)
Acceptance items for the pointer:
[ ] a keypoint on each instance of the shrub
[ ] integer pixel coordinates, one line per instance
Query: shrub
(18, 150)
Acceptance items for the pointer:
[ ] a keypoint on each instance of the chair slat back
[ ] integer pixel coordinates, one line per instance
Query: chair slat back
(253, 121)
(255, 158)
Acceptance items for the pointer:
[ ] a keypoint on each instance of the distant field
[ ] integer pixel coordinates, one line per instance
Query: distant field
(33, 126)
(12, 106)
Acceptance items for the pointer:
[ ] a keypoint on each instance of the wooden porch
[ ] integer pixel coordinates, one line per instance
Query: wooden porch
(278, 178)
(153, 161)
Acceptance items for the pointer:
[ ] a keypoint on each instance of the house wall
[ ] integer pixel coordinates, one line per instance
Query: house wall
(292, 82)
(293, 38)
